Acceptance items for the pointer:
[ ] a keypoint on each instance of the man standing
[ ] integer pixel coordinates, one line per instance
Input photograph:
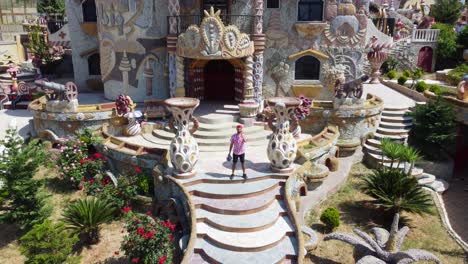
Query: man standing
(238, 148)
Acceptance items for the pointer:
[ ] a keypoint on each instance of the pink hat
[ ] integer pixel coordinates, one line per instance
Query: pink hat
(240, 126)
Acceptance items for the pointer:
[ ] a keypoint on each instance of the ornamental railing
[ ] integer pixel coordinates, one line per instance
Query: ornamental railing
(245, 23)
(425, 35)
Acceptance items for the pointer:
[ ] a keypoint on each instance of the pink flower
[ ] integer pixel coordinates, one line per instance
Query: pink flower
(137, 220)
(81, 187)
(138, 169)
(140, 230)
(126, 209)
(91, 181)
(171, 238)
(135, 260)
(172, 227)
(97, 155)
(149, 213)
(162, 259)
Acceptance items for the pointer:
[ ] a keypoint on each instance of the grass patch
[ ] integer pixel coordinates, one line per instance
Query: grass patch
(426, 232)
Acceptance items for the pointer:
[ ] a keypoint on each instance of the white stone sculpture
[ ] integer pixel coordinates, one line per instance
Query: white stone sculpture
(183, 148)
(282, 146)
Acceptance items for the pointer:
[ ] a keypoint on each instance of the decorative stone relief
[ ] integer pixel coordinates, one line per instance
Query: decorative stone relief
(258, 79)
(212, 40)
(108, 59)
(180, 78)
(183, 149)
(248, 90)
(259, 16)
(172, 74)
(279, 74)
(282, 146)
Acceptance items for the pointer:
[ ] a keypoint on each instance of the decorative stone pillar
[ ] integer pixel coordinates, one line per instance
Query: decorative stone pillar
(125, 66)
(282, 146)
(183, 149)
(248, 83)
(258, 80)
(174, 9)
(148, 74)
(180, 77)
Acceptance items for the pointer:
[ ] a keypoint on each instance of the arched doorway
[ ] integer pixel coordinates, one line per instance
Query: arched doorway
(219, 80)
(425, 59)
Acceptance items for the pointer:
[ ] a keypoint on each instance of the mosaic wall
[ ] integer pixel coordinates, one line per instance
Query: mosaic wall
(132, 48)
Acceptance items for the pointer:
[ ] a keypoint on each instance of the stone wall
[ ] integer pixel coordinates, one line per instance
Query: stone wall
(81, 42)
(133, 48)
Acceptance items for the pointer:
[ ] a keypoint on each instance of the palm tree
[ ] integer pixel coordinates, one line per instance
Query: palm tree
(391, 150)
(410, 155)
(395, 191)
(86, 215)
(385, 248)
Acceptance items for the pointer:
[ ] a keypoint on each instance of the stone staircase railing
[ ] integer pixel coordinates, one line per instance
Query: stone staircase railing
(425, 35)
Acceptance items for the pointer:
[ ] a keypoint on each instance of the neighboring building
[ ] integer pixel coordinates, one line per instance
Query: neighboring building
(82, 28)
(244, 49)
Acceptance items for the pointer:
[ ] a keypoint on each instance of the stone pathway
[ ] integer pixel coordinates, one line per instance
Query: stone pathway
(390, 97)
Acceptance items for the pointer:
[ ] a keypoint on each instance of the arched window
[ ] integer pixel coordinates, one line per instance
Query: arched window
(310, 10)
(89, 11)
(94, 64)
(307, 68)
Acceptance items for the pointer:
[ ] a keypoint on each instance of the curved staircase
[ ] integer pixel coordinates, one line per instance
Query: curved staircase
(395, 125)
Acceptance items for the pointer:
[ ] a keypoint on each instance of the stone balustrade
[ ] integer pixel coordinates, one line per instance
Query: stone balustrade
(425, 35)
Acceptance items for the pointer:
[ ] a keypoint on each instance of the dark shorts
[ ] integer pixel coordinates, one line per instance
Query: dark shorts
(236, 157)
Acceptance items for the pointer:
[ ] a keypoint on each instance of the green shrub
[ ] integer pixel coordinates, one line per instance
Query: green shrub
(48, 243)
(391, 74)
(455, 75)
(395, 191)
(149, 240)
(390, 64)
(331, 218)
(446, 43)
(433, 128)
(435, 88)
(462, 38)
(85, 216)
(407, 73)
(22, 200)
(402, 80)
(421, 86)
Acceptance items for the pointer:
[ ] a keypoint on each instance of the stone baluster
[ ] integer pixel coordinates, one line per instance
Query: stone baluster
(149, 74)
(125, 66)
(248, 88)
(180, 77)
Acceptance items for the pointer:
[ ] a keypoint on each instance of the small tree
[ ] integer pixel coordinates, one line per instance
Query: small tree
(21, 201)
(48, 243)
(446, 11)
(446, 43)
(433, 128)
(51, 7)
(395, 191)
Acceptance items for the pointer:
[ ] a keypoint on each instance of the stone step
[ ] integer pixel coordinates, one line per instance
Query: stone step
(397, 108)
(224, 132)
(396, 119)
(373, 142)
(249, 241)
(378, 158)
(256, 133)
(371, 149)
(390, 125)
(239, 206)
(426, 178)
(281, 253)
(438, 185)
(234, 190)
(395, 113)
(393, 132)
(223, 178)
(218, 118)
(244, 223)
(398, 138)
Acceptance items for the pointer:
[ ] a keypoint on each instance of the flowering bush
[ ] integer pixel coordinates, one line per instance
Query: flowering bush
(149, 240)
(74, 164)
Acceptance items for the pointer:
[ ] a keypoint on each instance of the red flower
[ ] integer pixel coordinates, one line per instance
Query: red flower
(91, 159)
(81, 187)
(116, 252)
(135, 260)
(105, 158)
(149, 213)
(126, 209)
(172, 227)
(97, 155)
(83, 179)
(140, 230)
(119, 193)
(138, 169)
(82, 161)
(137, 220)
(91, 181)
(171, 238)
(162, 259)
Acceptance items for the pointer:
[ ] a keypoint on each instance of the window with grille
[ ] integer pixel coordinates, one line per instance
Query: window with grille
(273, 4)
(310, 10)
(307, 68)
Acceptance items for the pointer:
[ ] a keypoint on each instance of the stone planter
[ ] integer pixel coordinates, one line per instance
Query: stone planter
(183, 148)
(282, 146)
(376, 57)
(248, 109)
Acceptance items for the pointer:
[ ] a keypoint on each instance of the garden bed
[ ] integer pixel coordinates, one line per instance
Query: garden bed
(426, 232)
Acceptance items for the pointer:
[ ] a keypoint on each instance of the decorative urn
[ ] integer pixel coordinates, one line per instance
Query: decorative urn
(248, 108)
(282, 146)
(376, 56)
